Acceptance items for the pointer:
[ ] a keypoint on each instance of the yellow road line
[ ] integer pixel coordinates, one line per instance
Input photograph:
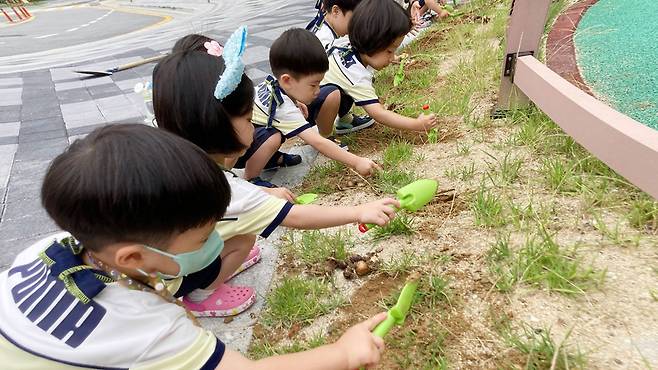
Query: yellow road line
(165, 18)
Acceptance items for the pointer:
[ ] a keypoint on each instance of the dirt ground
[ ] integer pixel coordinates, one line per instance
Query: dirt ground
(612, 325)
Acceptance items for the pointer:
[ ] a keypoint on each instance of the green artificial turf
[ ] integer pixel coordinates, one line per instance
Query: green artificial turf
(617, 51)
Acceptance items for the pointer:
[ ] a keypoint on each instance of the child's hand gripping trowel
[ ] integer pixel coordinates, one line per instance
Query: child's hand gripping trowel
(398, 313)
(412, 197)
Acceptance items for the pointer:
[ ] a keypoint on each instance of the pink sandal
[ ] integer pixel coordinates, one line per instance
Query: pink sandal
(227, 300)
(253, 258)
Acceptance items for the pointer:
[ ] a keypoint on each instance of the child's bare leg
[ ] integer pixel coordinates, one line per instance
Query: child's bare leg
(233, 255)
(327, 114)
(259, 159)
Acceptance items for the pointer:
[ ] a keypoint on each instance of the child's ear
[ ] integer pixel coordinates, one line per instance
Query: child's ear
(129, 257)
(335, 10)
(285, 80)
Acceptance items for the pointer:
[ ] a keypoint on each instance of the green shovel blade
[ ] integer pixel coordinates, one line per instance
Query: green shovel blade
(398, 313)
(306, 198)
(412, 197)
(416, 195)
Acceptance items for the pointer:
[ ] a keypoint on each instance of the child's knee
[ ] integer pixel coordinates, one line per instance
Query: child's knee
(239, 242)
(274, 141)
(333, 98)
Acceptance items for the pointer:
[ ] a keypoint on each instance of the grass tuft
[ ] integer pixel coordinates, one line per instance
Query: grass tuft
(396, 153)
(540, 262)
(541, 351)
(299, 299)
(402, 224)
(316, 247)
(488, 209)
(389, 181)
(261, 349)
(322, 178)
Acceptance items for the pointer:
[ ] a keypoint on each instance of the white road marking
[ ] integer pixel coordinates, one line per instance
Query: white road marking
(44, 36)
(81, 26)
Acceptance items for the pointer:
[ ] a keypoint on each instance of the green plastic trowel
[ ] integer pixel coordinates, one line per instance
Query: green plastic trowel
(306, 198)
(412, 197)
(398, 313)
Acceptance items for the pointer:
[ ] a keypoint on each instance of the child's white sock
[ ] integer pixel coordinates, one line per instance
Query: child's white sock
(199, 295)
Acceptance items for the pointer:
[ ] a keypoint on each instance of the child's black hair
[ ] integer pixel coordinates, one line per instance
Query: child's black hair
(344, 5)
(133, 183)
(184, 102)
(298, 53)
(376, 24)
(191, 42)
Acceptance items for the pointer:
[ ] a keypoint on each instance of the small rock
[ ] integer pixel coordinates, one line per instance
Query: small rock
(341, 265)
(228, 320)
(618, 361)
(362, 268)
(360, 184)
(348, 274)
(351, 184)
(379, 249)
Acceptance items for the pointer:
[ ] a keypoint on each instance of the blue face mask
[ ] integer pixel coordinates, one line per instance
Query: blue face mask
(192, 262)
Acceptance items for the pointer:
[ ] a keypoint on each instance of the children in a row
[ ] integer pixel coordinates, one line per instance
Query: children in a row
(303, 75)
(153, 217)
(140, 204)
(191, 103)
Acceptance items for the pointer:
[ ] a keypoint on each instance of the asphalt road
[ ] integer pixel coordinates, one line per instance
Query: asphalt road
(69, 27)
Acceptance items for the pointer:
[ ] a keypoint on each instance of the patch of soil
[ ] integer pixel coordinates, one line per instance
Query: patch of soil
(364, 302)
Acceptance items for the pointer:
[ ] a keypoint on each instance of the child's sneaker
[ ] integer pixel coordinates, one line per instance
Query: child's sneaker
(258, 181)
(280, 159)
(253, 258)
(339, 143)
(227, 300)
(358, 123)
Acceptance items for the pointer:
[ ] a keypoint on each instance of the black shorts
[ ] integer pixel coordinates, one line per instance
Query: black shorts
(346, 102)
(200, 279)
(261, 134)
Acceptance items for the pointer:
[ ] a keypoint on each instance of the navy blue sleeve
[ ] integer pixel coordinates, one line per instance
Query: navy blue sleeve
(216, 357)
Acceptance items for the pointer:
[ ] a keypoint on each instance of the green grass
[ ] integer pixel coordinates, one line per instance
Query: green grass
(488, 208)
(299, 300)
(463, 149)
(404, 263)
(614, 233)
(540, 349)
(463, 173)
(322, 178)
(433, 291)
(542, 263)
(261, 349)
(402, 224)
(412, 351)
(558, 175)
(504, 171)
(643, 213)
(396, 153)
(316, 246)
(389, 181)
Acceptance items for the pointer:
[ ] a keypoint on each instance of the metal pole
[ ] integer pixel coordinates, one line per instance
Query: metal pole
(525, 28)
